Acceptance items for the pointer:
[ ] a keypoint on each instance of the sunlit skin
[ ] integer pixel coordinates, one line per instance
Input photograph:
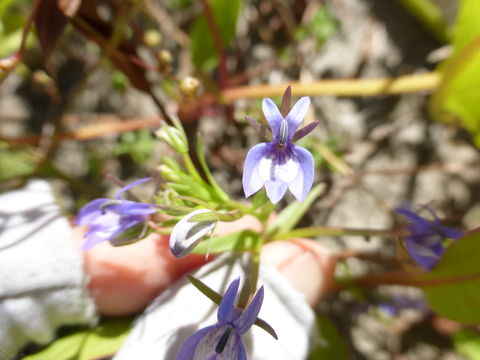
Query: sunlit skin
(124, 280)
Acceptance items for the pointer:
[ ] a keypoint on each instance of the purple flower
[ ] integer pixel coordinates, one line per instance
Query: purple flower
(108, 218)
(425, 243)
(280, 164)
(223, 340)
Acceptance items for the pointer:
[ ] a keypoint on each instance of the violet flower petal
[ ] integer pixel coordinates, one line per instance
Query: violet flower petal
(425, 257)
(126, 207)
(297, 115)
(303, 182)
(241, 353)
(90, 212)
(188, 349)
(273, 116)
(226, 308)
(275, 190)
(251, 180)
(452, 233)
(248, 317)
(131, 185)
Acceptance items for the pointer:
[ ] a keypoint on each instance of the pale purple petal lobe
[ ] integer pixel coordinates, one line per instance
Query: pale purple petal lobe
(131, 185)
(251, 180)
(273, 116)
(275, 190)
(188, 349)
(226, 309)
(248, 317)
(302, 184)
(90, 211)
(297, 114)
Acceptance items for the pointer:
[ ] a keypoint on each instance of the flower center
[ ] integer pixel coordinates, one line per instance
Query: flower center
(283, 133)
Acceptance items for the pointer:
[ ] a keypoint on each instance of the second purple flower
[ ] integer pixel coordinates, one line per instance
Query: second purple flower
(109, 218)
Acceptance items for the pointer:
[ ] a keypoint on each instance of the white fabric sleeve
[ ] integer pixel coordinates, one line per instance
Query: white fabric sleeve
(182, 309)
(42, 282)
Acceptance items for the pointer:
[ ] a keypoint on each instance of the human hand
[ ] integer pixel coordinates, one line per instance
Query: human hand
(124, 280)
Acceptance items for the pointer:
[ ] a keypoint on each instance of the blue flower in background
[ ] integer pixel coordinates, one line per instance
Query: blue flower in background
(280, 164)
(425, 243)
(223, 341)
(108, 218)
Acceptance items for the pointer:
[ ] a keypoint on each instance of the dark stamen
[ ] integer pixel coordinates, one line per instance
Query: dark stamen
(223, 340)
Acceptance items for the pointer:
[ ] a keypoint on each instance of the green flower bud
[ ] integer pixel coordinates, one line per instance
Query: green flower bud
(174, 136)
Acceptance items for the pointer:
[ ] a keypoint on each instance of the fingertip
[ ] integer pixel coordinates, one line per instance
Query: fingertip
(306, 264)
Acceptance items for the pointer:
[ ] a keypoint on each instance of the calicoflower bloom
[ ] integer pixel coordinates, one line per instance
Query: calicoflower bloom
(279, 164)
(109, 218)
(223, 341)
(425, 243)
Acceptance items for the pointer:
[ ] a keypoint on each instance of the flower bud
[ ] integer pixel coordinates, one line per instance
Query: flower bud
(165, 59)
(187, 234)
(152, 38)
(189, 86)
(174, 137)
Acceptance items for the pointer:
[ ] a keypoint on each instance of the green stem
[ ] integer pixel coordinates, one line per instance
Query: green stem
(255, 266)
(335, 231)
(191, 168)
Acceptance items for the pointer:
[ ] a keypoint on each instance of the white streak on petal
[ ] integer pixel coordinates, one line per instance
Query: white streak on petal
(186, 235)
(265, 170)
(288, 171)
(268, 169)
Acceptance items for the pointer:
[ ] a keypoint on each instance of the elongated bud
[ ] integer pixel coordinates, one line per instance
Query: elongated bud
(174, 137)
(186, 234)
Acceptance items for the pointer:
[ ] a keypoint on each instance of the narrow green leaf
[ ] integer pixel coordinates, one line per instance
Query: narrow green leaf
(87, 344)
(203, 49)
(291, 215)
(242, 240)
(205, 289)
(208, 216)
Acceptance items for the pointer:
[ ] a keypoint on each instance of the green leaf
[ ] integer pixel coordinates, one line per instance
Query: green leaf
(332, 346)
(242, 240)
(467, 343)
(103, 340)
(16, 162)
(457, 99)
(291, 215)
(455, 281)
(466, 28)
(226, 13)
